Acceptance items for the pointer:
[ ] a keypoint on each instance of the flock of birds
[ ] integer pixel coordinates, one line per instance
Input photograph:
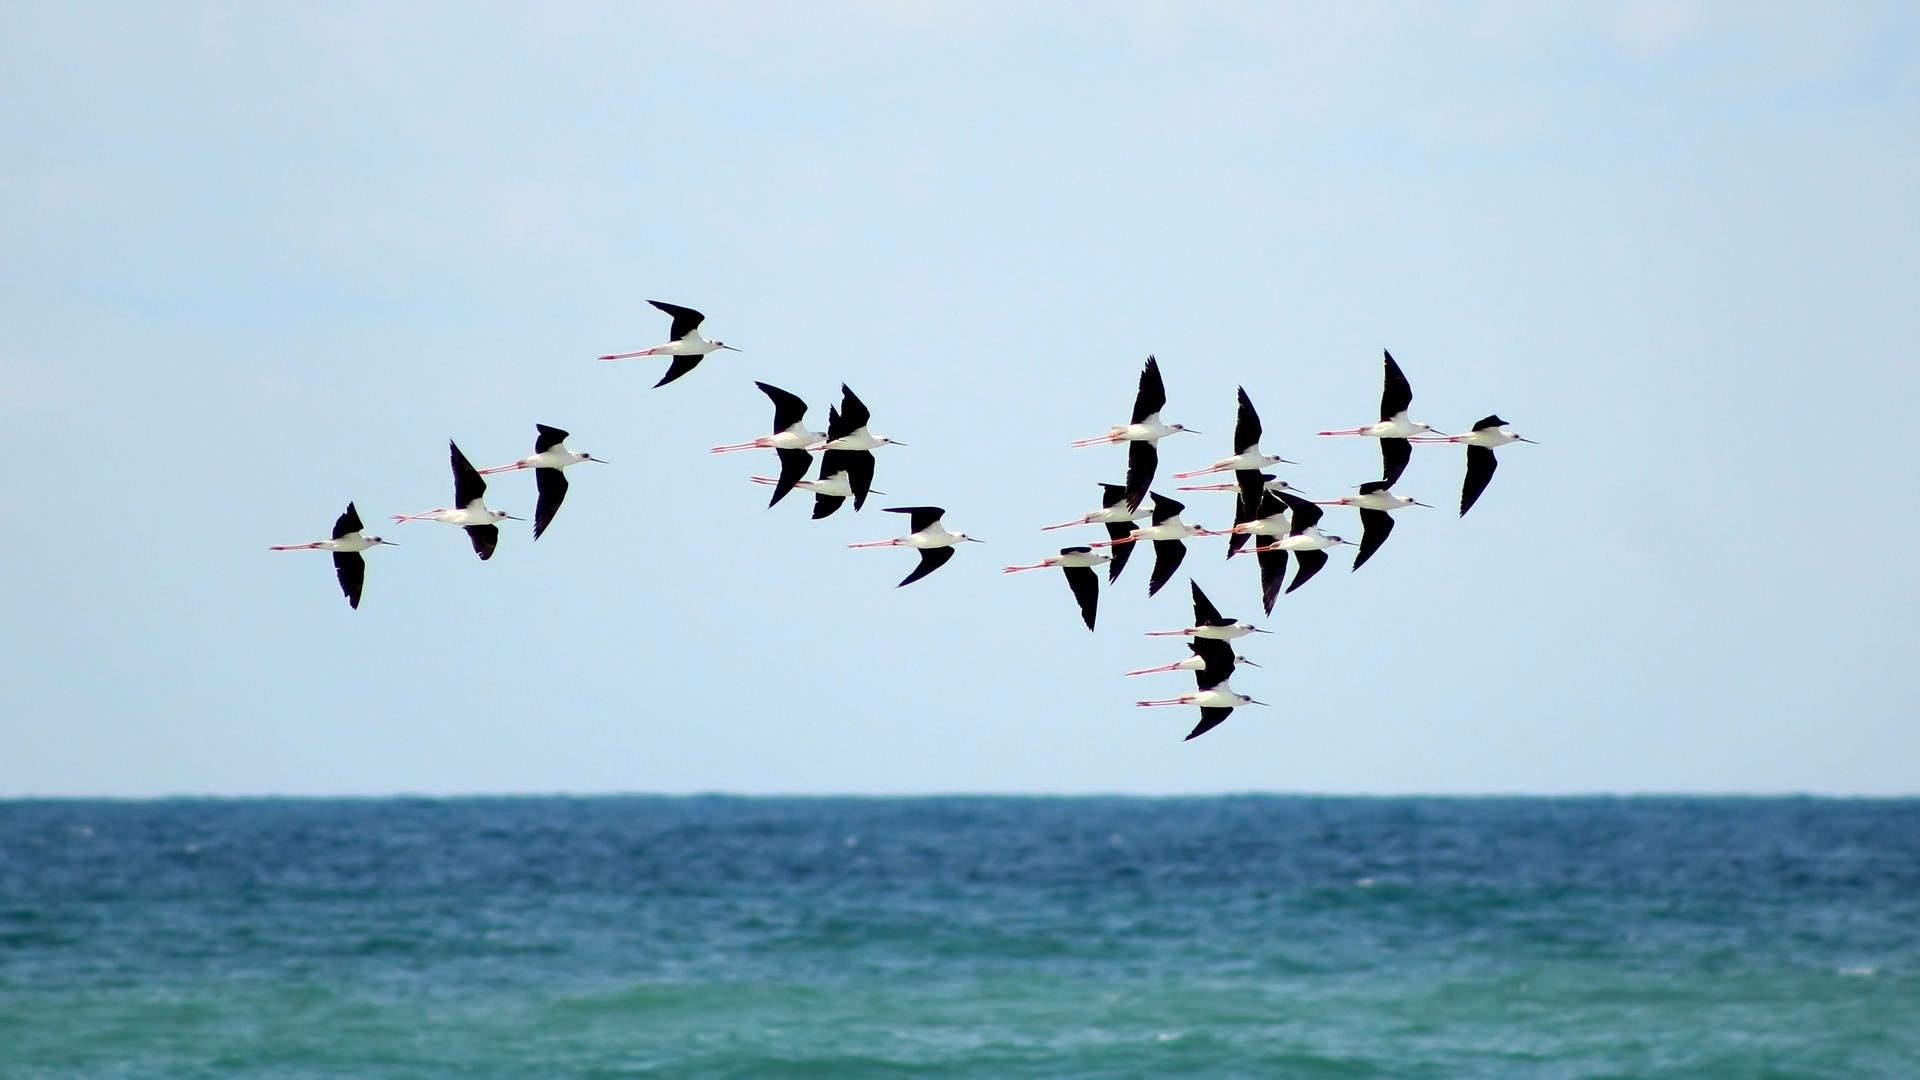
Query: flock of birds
(1270, 514)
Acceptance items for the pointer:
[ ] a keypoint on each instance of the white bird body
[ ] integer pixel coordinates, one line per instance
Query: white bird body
(933, 536)
(554, 457)
(1171, 529)
(1070, 558)
(1191, 663)
(1275, 525)
(837, 486)
(1149, 430)
(1395, 427)
(1252, 458)
(859, 439)
(1308, 539)
(1374, 500)
(1275, 485)
(352, 541)
(1118, 513)
(1488, 437)
(1224, 632)
(474, 513)
(1221, 696)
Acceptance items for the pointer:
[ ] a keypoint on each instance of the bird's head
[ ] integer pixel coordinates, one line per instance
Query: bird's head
(1238, 659)
(885, 440)
(1182, 427)
(963, 537)
(589, 457)
(724, 345)
(376, 542)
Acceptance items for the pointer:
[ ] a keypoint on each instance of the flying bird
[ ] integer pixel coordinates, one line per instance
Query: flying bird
(1202, 649)
(790, 439)
(1394, 429)
(1376, 502)
(1216, 699)
(1247, 454)
(347, 544)
(850, 444)
(1118, 516)
(1307, 543)
(1078, 563)
(929, 536)
(470, 509)
(550, 455)
(1169, 535)
(1143, 435)
(828, 491)
(1486, 435)
(1208, 622)
(687, 348)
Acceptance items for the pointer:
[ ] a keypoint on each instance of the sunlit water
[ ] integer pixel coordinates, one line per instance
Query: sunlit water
(1268, 937)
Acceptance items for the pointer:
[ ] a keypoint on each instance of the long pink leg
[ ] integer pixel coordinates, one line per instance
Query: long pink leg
(1017, 569)
(627, 355)
(1172, 633)
(295, 547)
(1175, 666)
(876, 544)
(1355, 431)
(754, 445)
(1210, 487)
(1169, 701)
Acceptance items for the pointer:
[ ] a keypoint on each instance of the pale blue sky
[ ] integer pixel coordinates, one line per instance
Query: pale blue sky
(1673, 242)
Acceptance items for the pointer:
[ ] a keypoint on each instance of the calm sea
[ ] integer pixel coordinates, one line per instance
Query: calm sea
(961, 937)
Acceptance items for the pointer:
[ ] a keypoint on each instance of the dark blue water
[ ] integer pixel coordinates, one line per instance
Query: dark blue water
(713, 937)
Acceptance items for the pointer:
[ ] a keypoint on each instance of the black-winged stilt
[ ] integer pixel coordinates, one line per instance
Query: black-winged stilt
(347, 544)
(929, 536)
(850, 444)
(550, 455)
(1214, 696)
(1375, 503)
(1247, 454)
(1486, 435)
(1118, 515)
(470, 509)
(790, 439)
(687, 348)
(1143, 434)
(1394, 429)
(1208, 622)
(1078, 563)
(1169, 535)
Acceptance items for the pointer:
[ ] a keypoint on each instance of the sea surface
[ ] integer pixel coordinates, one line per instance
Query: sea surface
(961, 937)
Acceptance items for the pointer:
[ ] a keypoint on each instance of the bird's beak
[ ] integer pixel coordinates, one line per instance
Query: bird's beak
(389, 543)
(1524, 439)
(729, 348)
(511, 517)
(974, 539)
(1249, 663)
(1257, 630)
(1417, 502)
(600, 461)
(1284, 461)
(1250, 701)
(895, 442)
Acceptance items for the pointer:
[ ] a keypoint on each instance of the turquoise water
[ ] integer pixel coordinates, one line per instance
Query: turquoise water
(1268, 937)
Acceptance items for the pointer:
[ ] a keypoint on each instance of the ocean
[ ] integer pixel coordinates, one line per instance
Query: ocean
(1549, 939)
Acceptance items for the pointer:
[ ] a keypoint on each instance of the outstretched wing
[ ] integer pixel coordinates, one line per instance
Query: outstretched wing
(351, 569)
(1246, 429)
(546, 438)
(825, 505)
(1489, 422)
(553, 488)
(1167, 555)
(1305, 515)
(1143, 460)
(485, 538)
(685, 319)
(859, 466)
(680, 366)
(1310, 564)
(1376, 526)
(1273, 572)
(793, 468)
(1209, 719)
(1152, 395)
(348, 522)
(1246, 505)
(1394, 455)
(1480, 466)
(853, 412)
(1086, 589)
(1165, 509)
(931, 559)
(1111, 494)
(923, 516)
(788, 409)
(1118, 531)
(1217, 655)
(1204, 613)
(467, 483)
(1397, 394)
